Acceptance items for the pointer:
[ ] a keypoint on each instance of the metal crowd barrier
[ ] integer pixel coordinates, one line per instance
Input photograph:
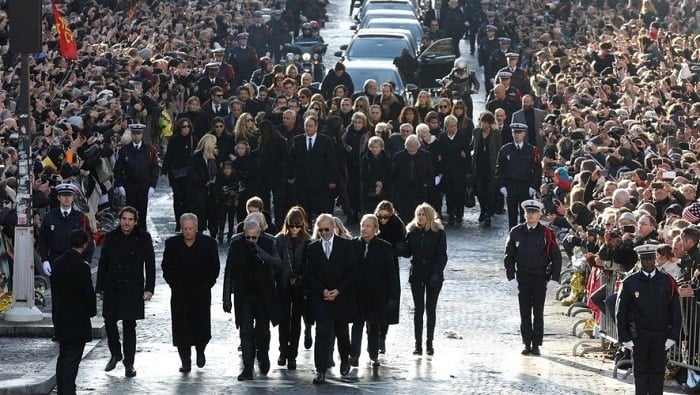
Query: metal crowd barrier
(687, 352)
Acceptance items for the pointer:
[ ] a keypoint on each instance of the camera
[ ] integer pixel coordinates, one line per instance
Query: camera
(628, 229)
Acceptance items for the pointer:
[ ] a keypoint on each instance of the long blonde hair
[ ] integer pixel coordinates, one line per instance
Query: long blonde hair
(207, 145)
(433, 223)
(243, 131)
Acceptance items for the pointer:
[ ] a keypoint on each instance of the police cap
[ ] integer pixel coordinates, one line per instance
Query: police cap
(511, 55)
(218, 51)
(242, 36)
(66, 189)
(532, 205)
(212, 66)
(518, 127)
(491, 28)
(647, 251)
(137, 127)
(504, 40)
(505, 74)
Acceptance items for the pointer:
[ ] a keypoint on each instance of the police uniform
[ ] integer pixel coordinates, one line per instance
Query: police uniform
(519, 78)
(497, 60)
(137, 170)
(226, 71)
(532, 259)
(207, 81)
(518, 170)
(54, 234)
(648, 321)
(244, 60)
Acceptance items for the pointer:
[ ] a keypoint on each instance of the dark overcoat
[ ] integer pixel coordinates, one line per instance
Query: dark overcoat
(120, 274)
(377, 280)
(73, 298)
(191, 272)
(394, 232)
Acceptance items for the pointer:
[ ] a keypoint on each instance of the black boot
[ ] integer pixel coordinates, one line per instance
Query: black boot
(419, 348)
(429, 347)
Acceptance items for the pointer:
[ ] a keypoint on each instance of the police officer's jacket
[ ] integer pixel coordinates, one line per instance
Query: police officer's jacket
(518, 167)
(532, 252)
(648, 306)
(54, 234)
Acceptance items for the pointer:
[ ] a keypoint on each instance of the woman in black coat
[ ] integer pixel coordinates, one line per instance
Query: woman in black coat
(271, 158)
(334, 130)
(355, 141)
(393, 231)
(426, 245)
(200, 123)
(200, 183)
(486, 143)
(177, 162)
(190, 267)
(225, 144)
(291, 243)
(375, 173)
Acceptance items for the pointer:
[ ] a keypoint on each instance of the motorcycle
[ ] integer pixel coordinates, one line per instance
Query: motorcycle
(310, 56)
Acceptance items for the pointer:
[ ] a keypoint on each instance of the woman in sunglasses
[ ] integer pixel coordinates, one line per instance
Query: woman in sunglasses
(292, 242)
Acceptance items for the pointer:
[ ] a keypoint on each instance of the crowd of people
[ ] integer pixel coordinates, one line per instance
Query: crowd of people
(592, 107)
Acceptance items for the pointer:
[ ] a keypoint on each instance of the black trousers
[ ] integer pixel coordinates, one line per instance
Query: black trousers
(279, 204)
(315, 202)
(326, 332)
(649, 358)
(254, 331)
(115, 347)
(179, 199)
(185, 353)
(532, 289)
(292, 305)
(374, 331)
(137, 197)
(69, 356)
(485, 191)
(517, 194)
(455, 194)
(226, 214)
(425, 300)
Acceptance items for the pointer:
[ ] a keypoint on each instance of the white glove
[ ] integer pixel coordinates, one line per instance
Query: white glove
(151, 192)
(47, 267)
(531, 191)
(669, 343)
(514, 284)
(504, 192)
(551, 284)
(121, 191)
(629, 345)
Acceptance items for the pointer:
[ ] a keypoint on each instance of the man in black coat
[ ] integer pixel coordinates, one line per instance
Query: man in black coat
(330, 277)
(335, 77)
(250, 275)
(136, 172)
(455, 166)
(648, 320)
(412, 172)
(190, 266)
(315, 171)
(73, 303)
(378, 288)
(126, 254)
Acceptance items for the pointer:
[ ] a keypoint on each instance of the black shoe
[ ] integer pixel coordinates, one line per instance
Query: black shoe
(482, 217)
(429, 348)
(487, 222)
(526, 351)
(112, 363)
(129, 371)
(500, 211)
(240, 347)
(186, 368)
(201, 360)
(282, 360)
(220, 239)
(264, 365)
(375, 363)
(354, 361)
(291, 364)
(418, 350)
(246, 374)
(382, 346)
(344, 367)
(535, 350)
(308, 341)
(459, 219)
(320, 378)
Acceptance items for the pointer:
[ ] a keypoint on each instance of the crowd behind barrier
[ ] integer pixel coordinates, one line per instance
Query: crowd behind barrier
(609, 92)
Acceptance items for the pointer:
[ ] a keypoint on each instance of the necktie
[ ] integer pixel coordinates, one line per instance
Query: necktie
(137, 146)
(216, 108)
(437, 14)
(65, 214)
(366, 249)
(308, 148)
(327, 248)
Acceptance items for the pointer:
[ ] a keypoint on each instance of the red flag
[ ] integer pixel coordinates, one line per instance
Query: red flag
(66, 42)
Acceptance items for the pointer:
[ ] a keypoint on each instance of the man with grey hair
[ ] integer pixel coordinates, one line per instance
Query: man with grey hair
(249, 275)
(412, 172)
(330, 278)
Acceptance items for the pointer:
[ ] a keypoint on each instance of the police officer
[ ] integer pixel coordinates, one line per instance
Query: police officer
(648, 320)
(136, 172)
(226, 71)
(519, 78)
(56, 226)
(497, 60)
(533, 265)
(518, 172)
(243, 58)
(279, 34)
(259, 34)
(208, 80)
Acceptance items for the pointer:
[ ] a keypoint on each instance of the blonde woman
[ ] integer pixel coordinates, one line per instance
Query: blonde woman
(424, 104)
(247, 130)
(426, 245)
(201, 177)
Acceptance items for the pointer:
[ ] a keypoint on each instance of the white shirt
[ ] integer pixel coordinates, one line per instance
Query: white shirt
(650, 275)
(313, 140)
(328, 246)
(66, 211)
(137, 146)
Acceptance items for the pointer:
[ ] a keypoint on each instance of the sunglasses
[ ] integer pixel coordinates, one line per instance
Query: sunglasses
(219, 95)
(218, 126)
(251, 237)
(294, 226)
(249, 120)
(381, 217)
(324, 230)
(186, 126)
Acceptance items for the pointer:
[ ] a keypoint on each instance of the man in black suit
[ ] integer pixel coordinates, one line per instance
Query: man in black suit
(252, 261)
(209, 80)
(412, 172)
(330, 277)
(315, 171)
(378, 288)
(437, 13)
(216, 106)
(74, 302)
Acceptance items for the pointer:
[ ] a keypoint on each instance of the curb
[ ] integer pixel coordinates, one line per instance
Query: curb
(41, 382)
